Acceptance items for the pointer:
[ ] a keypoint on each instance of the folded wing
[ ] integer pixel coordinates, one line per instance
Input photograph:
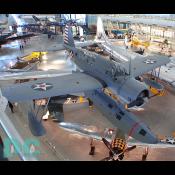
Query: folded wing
(141, 65)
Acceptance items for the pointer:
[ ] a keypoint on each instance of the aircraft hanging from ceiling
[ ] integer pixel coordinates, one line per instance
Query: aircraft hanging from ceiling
(98, 73)
(115, 140)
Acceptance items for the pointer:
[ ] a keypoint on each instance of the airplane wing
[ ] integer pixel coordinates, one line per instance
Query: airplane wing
(32, 74)
(78, 128)
(49, 87)
(160, 144)
(141, 65)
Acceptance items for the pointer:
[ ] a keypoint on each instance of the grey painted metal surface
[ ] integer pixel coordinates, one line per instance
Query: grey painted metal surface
(88, 131)
(33, 74)
(66, 84)
(135, 64)
(123, 119)
(99, 72)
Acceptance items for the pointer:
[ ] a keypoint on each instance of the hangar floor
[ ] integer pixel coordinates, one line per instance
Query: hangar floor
(59, 144)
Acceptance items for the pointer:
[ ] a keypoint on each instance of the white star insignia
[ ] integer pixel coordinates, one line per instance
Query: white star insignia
(148, 61)
(42, 86)
(170, 140)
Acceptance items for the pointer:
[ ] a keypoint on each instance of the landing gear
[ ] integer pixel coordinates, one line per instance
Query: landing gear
(90, 104)
(92, 150)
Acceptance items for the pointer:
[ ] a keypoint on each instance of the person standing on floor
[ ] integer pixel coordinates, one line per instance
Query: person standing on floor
(144, 156)
(92, 146)
(11, 106)
(33, 103)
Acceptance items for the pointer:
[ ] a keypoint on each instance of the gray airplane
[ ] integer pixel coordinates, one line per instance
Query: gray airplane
(114, 139)
(129, 59)
(98, 73)
(118, 53)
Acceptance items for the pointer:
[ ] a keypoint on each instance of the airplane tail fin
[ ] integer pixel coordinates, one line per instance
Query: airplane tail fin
(101, 35)
(68, 36)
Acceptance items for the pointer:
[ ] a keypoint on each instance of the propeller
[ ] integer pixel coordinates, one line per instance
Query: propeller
(108, 145)
(107, 159)
(115, 156)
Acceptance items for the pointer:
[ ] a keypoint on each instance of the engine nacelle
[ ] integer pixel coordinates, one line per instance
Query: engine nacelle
(131, 91)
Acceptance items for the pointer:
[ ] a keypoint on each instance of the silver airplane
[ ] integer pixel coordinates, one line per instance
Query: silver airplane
(98, 73)
(115, 140)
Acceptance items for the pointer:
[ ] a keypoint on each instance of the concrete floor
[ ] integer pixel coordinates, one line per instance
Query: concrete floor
(59, 144)
(10, 51)
(159, 113)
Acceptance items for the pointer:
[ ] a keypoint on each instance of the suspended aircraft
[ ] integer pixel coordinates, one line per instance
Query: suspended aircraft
(97, 74)
(114, 139)
(125, 57)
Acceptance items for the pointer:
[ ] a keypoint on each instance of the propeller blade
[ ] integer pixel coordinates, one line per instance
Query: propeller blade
(108, 145)
(130, 148)
(107, 159)
(35, 125)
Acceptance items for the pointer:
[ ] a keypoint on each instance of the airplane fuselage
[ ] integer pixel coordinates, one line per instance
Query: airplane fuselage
(113, 76)
(121, 118)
